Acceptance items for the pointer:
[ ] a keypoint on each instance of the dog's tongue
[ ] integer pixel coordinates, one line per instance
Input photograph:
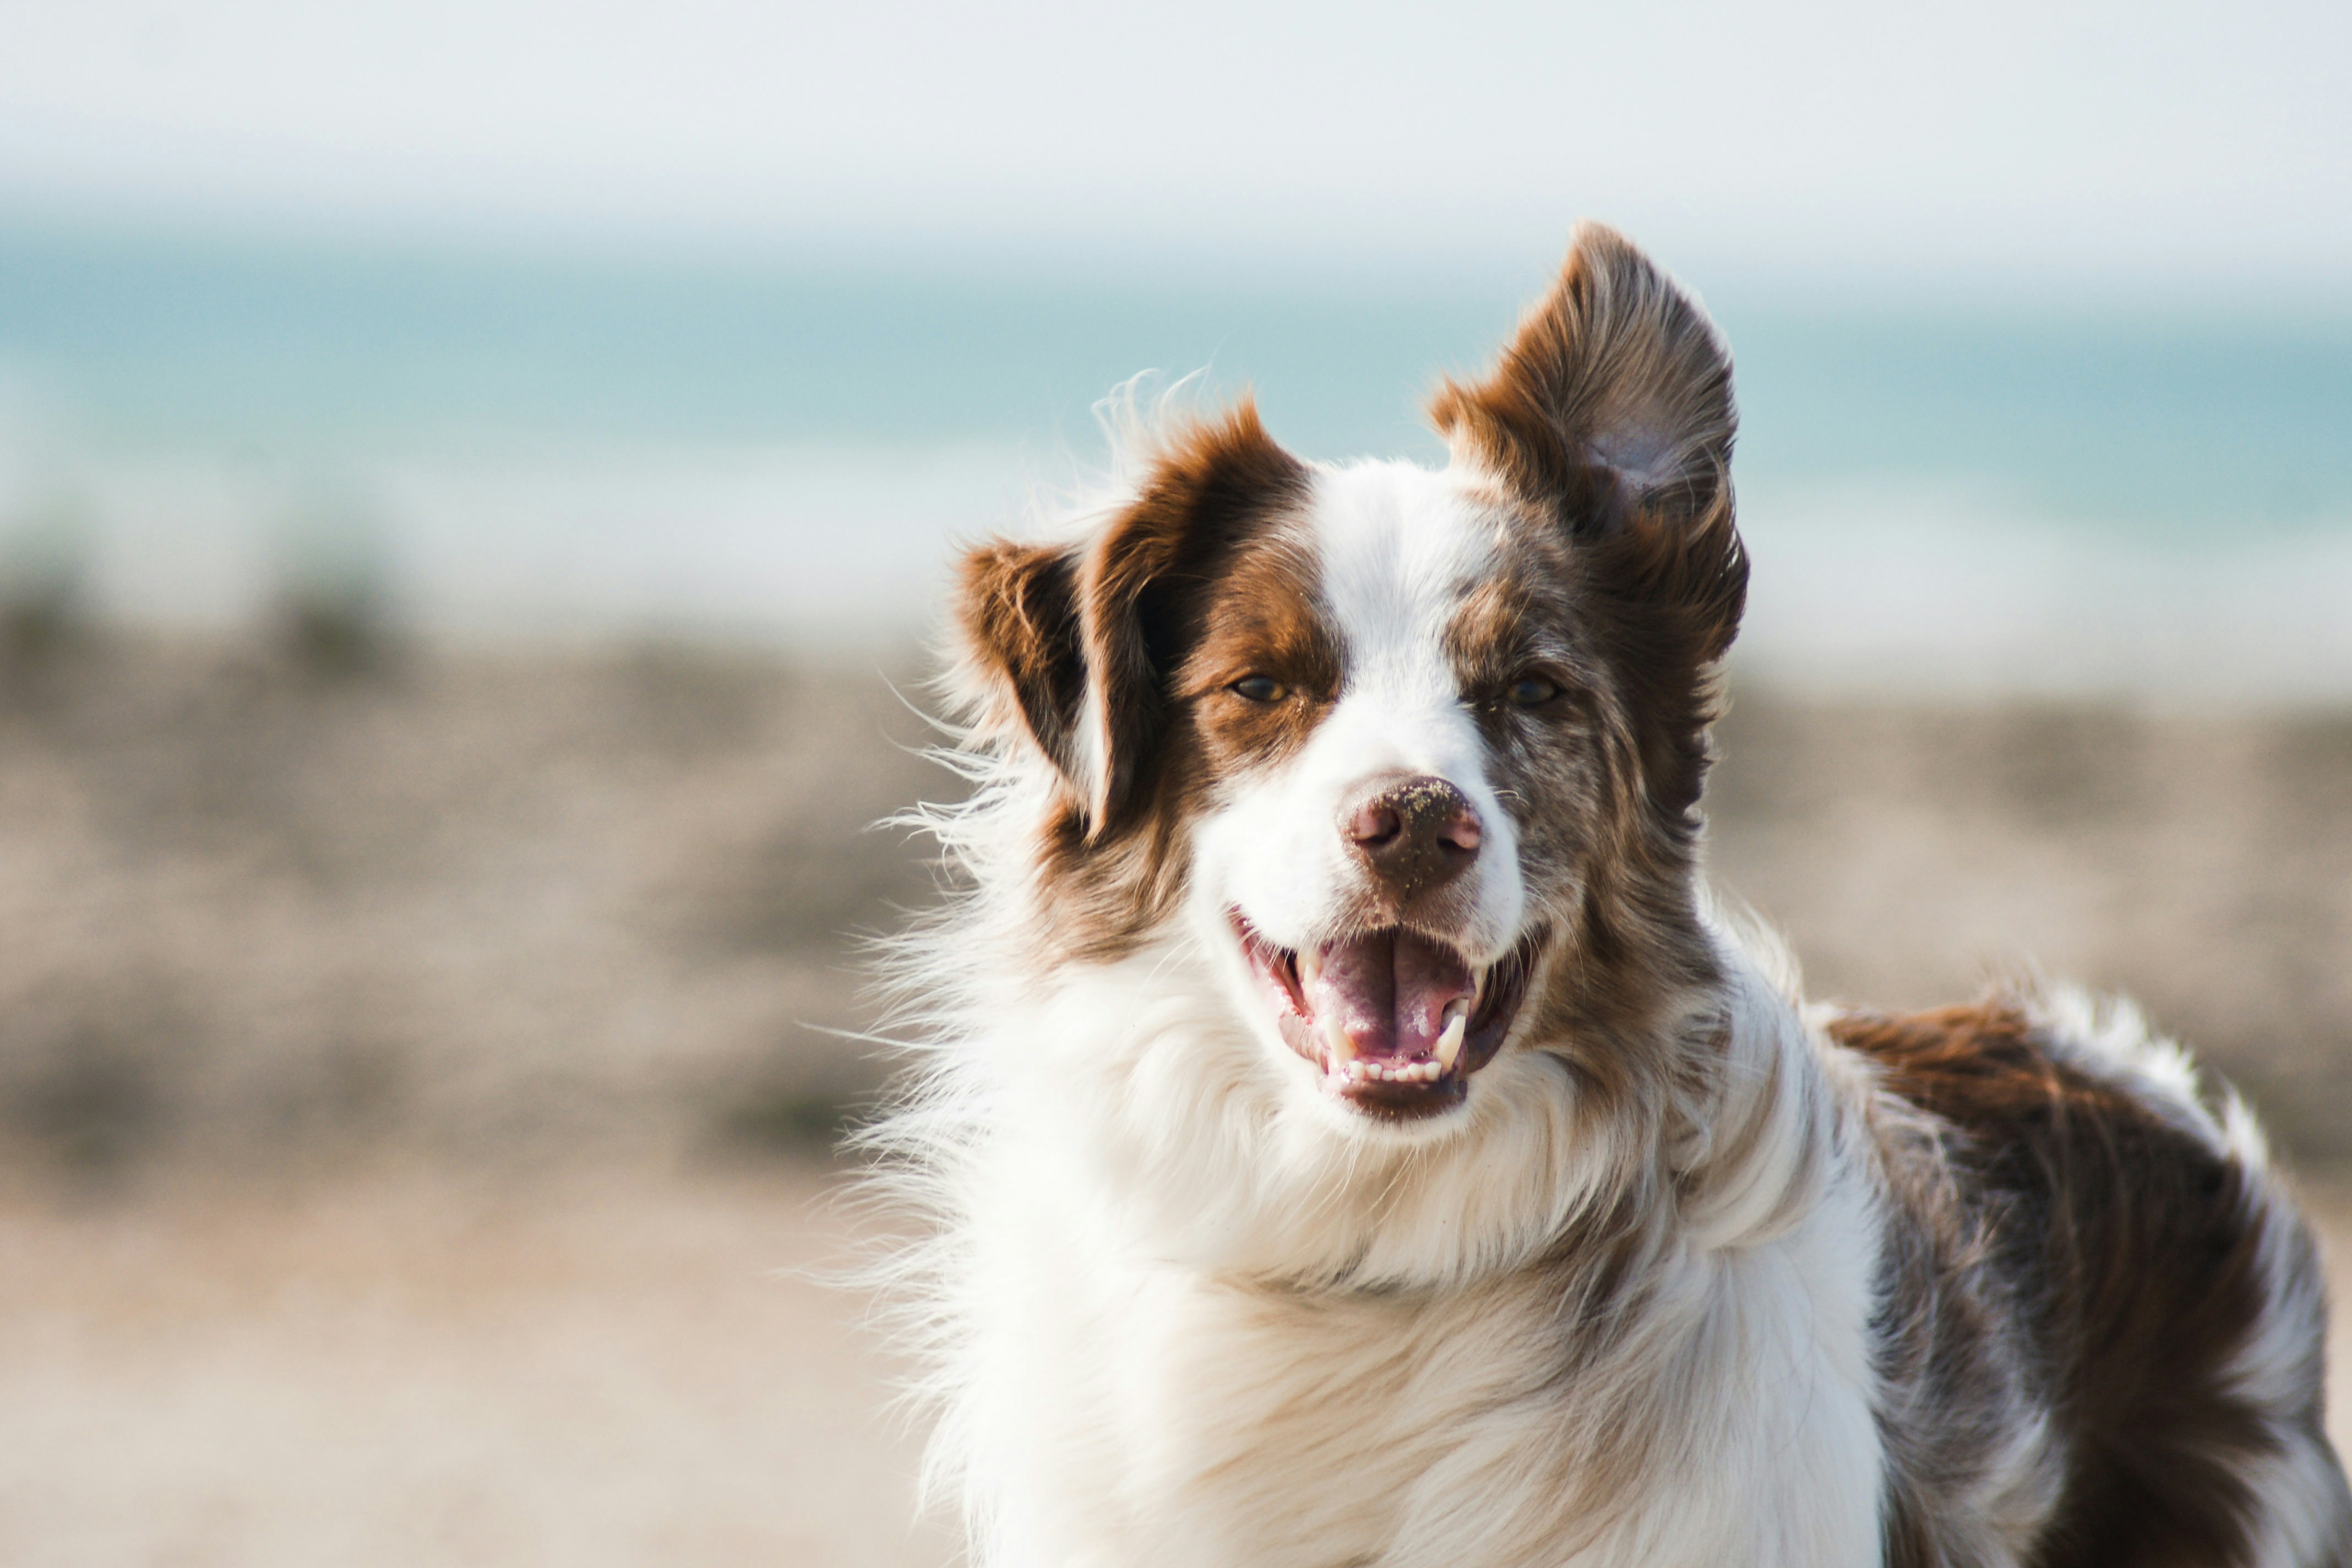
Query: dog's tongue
(1389, 991)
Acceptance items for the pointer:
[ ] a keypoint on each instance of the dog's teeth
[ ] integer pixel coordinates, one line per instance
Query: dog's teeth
(1343, 1049)
(1449, 1044)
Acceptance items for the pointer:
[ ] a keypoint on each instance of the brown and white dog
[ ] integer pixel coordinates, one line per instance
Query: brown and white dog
(1355, 1139)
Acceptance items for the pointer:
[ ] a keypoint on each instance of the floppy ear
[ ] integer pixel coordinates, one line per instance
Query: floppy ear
(1078, 643)
(1614, 398)
(1017, 606)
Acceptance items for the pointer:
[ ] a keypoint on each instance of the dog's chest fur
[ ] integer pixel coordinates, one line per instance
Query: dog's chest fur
(1177, 1416)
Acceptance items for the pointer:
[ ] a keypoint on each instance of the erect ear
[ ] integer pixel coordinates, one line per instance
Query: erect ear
(1076, 643)
(1614, 398)
(1611, 413)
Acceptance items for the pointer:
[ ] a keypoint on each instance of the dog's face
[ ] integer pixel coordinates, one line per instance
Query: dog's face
(1415, 754)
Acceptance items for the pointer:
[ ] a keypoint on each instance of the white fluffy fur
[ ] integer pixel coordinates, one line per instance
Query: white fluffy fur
(1141, 1215)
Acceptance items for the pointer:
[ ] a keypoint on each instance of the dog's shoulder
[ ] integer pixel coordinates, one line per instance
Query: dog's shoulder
(2023, 1083)
(2156, 1290)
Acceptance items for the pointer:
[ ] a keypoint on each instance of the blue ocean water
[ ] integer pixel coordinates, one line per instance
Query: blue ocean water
(565, 442)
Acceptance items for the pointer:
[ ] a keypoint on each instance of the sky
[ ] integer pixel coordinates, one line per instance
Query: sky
(2157, 143)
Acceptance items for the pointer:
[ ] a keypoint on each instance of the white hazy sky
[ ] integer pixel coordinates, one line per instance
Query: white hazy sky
(2155, 140)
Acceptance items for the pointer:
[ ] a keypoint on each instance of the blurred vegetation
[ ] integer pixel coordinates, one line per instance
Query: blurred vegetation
(44, 576)
(336, 611)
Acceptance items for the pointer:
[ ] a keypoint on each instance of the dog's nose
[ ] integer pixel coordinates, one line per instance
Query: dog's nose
(1415, 833)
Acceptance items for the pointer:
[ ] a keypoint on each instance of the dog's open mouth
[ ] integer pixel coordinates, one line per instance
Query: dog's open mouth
(1396, 1020)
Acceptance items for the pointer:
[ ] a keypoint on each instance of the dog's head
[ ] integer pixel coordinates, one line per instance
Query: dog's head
(1418, 753)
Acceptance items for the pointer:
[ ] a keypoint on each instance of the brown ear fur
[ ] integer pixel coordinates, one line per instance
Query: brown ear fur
(1613, 397)
(1075, 640)
(1018, 609)
(1212, 482)
(1612, 413)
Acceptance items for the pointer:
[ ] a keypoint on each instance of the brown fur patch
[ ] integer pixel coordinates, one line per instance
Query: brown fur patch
(1615, 896)
(1607, 428)
(1017, 607)
(1195, 586)
(1612, 397)
(1214, 487)
(1609, 415)
(1262, 617)
(2062, 1226)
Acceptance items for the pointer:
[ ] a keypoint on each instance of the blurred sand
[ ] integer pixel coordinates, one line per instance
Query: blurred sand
(2200, 862)
(417, 1368)
(594, 1371)
(414, 1073)
(499, 907)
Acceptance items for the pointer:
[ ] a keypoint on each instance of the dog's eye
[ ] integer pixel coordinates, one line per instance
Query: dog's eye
(1532, 691)
(1260, 689)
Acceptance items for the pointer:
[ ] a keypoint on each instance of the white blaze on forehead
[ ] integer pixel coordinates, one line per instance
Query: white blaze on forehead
(1395, 546)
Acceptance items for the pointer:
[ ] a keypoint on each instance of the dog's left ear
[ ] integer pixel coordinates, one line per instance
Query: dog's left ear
(1611, 410)
(1610, 414)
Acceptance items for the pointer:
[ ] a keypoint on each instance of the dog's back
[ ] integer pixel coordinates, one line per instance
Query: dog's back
(2086, 1235)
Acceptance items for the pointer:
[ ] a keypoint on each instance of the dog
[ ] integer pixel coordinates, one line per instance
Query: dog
(1351, 1136)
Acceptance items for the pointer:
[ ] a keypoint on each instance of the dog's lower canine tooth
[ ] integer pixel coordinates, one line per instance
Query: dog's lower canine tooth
(1449, 1044)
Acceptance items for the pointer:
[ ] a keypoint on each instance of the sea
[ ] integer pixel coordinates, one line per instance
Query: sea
(1941, 490)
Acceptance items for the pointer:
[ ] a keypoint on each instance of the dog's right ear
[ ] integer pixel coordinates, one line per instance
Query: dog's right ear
(1073, 645)
(1017, 606)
